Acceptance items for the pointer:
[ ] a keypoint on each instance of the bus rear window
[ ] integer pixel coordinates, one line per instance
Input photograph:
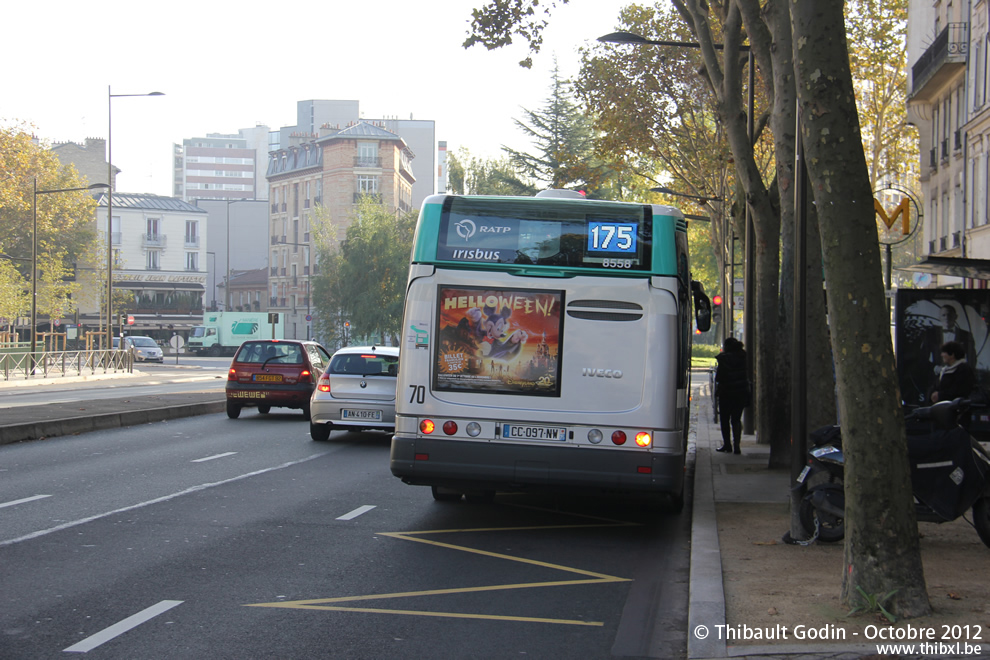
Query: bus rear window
(546, 232)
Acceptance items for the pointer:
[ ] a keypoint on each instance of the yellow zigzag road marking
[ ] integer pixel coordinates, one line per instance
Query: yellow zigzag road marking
(596, 578)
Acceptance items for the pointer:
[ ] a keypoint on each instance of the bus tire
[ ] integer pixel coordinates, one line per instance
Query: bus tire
(445, 494)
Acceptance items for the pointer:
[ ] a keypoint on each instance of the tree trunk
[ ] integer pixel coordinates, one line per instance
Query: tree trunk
(882, 554)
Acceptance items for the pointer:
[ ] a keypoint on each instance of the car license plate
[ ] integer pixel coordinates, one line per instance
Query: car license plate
(527, 432)
(246, 394)
(268, 378)
(361, 414)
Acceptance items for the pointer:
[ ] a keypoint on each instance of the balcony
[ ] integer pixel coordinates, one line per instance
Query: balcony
(153, 240)
(305, 270)
(933, 159)
(274, 270)
(274, 208)
(272, 301)
(191, 241)
(367, 161)
(955, 239)
(282, 272)
(945, 150)
(957, 140)
(943, 60)
(375, 197)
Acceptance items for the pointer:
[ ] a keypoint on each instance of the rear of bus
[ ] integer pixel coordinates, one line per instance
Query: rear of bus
(545, 345)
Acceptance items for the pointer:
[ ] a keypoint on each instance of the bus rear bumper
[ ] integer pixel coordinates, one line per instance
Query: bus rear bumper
(518, 467)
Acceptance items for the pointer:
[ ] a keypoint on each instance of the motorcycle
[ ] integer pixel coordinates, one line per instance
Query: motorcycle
(950, 473)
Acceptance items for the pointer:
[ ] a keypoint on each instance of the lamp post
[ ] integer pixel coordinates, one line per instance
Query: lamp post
(110, 97)
(213, 273)
(34, 252)
(749, 276)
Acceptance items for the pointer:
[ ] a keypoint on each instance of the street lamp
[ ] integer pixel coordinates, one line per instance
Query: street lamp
(749, 272)
(34, 252)
(110, 98)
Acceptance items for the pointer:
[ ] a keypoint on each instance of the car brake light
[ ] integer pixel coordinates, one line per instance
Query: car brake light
(305, 375)
(324, 385)
(232, 374)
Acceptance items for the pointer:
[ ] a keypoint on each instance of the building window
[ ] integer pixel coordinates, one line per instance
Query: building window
(367, 184)
(115, 230)
(192, 232)
(154, 260)
(154, 228)
(192, 261)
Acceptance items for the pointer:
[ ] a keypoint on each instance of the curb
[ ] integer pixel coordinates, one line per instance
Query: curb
(73, 425)
(706, 601)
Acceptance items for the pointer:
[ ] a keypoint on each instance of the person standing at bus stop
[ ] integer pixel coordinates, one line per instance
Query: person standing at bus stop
(732, 389)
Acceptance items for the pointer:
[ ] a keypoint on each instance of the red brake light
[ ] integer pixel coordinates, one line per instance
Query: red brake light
(324, 385)
(619, 437)
(427, 426)
(232, 374)
(449, 427)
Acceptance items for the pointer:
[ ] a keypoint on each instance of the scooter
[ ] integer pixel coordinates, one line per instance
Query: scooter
(950, 473)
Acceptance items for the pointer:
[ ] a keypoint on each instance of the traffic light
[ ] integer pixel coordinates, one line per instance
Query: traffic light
(716, 308)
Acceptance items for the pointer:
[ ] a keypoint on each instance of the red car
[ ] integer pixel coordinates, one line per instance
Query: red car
(274, 373)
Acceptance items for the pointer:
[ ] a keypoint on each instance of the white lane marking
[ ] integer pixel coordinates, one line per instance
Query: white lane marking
(210, 458)
(157, 500)
(121, 627)
(26, 499)
(357, 512)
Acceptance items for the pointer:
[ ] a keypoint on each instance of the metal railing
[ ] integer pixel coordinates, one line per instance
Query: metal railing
(57, 364)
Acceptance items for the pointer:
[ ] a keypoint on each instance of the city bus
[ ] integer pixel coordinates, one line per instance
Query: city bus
(546, 344)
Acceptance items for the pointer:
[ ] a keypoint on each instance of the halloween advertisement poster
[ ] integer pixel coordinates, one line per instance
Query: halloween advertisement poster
(499, 341)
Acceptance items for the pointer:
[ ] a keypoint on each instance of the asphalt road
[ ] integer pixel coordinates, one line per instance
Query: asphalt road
(213, 538)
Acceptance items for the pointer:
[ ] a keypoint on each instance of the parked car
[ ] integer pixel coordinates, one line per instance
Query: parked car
(356, 392)
(271, 373)
(145, 349)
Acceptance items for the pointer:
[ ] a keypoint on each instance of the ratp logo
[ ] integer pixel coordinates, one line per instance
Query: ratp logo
(465, 229)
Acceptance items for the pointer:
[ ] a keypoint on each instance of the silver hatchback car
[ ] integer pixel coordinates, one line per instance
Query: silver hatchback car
(356, 391)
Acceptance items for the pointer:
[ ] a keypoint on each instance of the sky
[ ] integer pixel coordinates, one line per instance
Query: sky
(398, 58)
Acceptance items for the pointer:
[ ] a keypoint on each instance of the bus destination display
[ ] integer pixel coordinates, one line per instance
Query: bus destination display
(594, 240)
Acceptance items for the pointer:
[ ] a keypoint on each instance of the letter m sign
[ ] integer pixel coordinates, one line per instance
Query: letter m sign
(902, 208)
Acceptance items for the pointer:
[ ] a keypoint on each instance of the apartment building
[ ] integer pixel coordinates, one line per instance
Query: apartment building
(159, 249)
(947, 102)
(222, 166)
(330, 171)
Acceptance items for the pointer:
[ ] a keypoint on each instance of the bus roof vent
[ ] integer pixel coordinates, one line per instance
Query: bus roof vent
(558, 192)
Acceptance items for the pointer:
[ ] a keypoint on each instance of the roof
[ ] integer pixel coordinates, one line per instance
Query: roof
(258, 276)
(148, 201)
(362, 129)
(977, 269)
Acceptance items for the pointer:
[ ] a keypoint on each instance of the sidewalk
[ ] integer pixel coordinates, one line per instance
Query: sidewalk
(729, 479)
(19, 423)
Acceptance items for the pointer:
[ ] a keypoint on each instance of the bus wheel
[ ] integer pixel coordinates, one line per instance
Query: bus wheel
(446, 494)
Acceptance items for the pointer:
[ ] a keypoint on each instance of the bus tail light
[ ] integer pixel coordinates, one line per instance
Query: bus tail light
(473, 429)
(324, 384)
(427, 426)
(449, 427)
(618, 437)
(644, 469)
(595, 436)
(643, 439)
